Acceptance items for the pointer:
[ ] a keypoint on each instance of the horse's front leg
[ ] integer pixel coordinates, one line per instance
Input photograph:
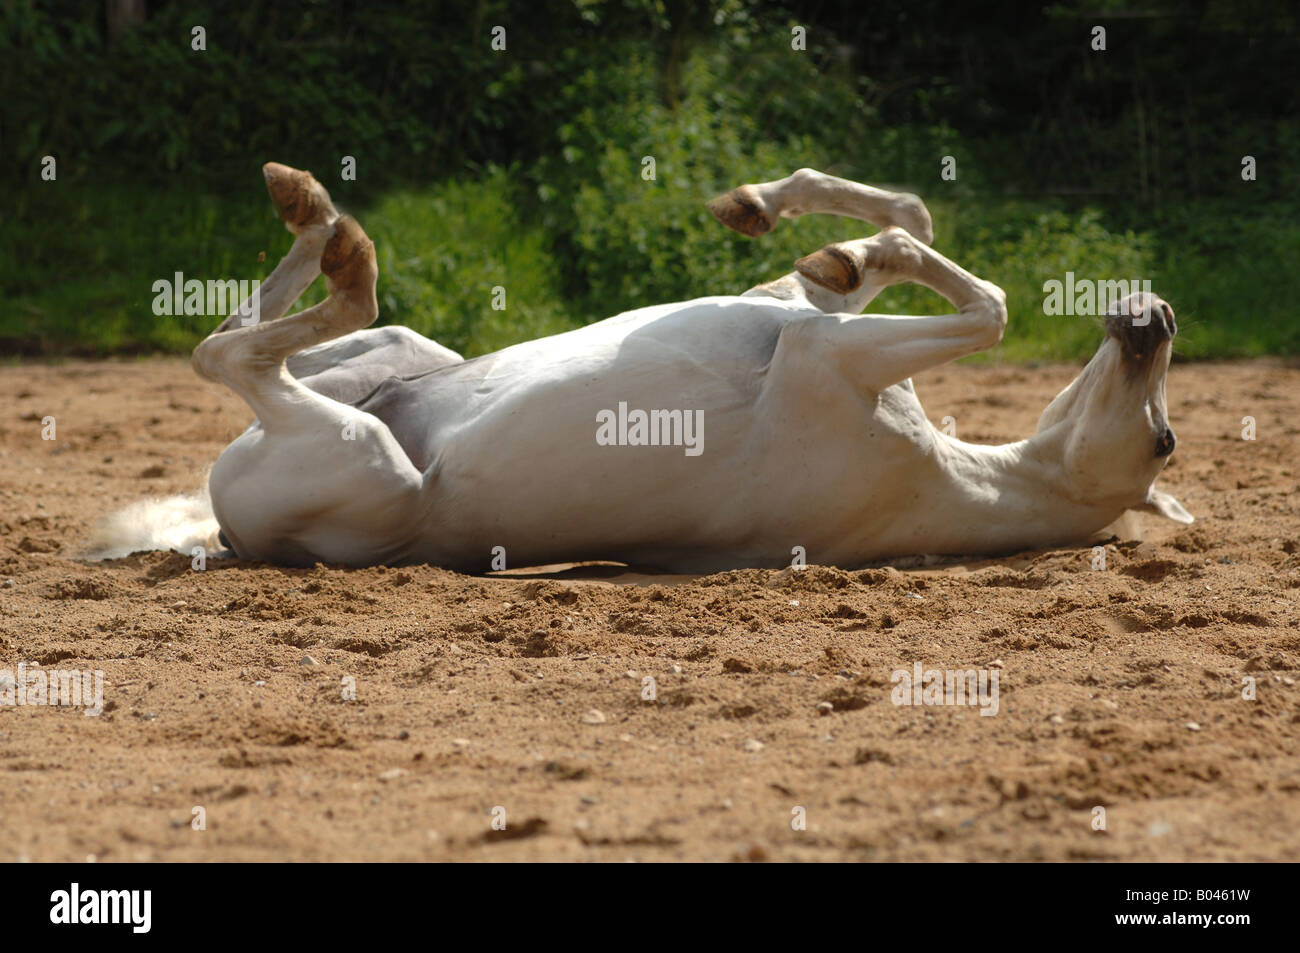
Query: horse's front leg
(876, 351)
(754, 210)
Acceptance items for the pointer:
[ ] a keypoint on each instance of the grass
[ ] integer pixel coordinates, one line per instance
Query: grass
(77, 266)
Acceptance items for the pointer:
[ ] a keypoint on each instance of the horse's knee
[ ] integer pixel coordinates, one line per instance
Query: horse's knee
(988, 313)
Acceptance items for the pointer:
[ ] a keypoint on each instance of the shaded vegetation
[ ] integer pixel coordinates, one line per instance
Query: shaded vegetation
(523, 168)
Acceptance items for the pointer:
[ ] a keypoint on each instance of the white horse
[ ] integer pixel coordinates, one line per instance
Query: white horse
(703, 435)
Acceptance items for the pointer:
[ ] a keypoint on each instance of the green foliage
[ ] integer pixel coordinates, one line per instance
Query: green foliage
(85, 285)
(443, 250)
(1020, 246)
(78, 266)
(524, 169)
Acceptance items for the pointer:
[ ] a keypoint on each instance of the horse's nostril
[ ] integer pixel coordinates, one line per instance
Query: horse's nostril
(1165, 445)
(1169, 317)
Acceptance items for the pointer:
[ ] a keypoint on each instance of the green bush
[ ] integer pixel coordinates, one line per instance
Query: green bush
(524, 170)
(443, 250)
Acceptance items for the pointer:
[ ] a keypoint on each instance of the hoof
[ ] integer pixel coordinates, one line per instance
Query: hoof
(299, 199)
(832, 268)
(348, 260)
(741, 211)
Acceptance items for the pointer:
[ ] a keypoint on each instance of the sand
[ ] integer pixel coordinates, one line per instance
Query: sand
(523, 699)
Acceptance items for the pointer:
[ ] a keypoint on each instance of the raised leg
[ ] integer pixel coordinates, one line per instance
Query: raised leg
(879, 350)
(348, 368)
(306, 210)
(754, 210)
(250, 360)
(319, 480)
(875, 351)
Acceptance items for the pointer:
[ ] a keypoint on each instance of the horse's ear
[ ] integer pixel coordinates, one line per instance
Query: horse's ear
(1163, 504)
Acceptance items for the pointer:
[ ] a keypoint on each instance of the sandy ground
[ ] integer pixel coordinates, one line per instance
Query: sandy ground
(1119, 688)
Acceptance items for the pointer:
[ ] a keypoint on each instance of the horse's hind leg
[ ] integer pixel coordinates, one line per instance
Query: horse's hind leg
(319, 480)
(348, 368)
(306, 210)
(250, 359)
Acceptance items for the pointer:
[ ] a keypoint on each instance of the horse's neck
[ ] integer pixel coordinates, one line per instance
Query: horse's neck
(1014, 495)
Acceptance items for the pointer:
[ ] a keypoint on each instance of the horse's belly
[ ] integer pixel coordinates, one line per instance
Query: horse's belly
(572, 478)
